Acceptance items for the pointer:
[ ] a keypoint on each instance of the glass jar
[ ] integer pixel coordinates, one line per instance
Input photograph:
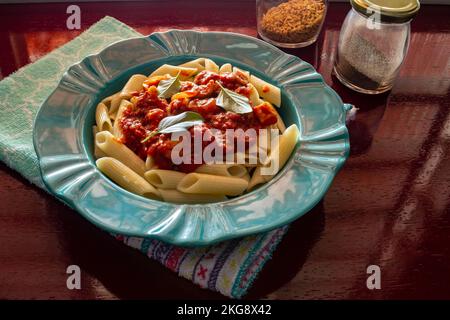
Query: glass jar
(292, 23)
(373, 43)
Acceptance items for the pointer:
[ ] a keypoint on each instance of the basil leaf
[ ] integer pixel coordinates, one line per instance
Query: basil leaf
(179, 123)
(232, 101)
(167, 88)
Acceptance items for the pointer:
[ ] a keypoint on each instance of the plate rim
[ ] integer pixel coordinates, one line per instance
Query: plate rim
(226, 236)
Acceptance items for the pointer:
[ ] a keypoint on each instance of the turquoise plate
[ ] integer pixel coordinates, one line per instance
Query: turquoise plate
(64, 142)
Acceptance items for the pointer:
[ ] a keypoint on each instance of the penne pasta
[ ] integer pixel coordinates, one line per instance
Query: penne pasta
(114, 106)
(241, 72)
(98, 153)
(266, 90)
(164, 179)
(102, 118)
(176, 196)
(149, 163)
(107, 101)
(126, 178)
(278, 157)
(117, 131)
(286, 145)
(198, 64)
(200, 183)
(115, 149)
(246, 177)
(227, 67)
(280, 123)
(228, 170)
(173, 71)
(211, 66)
(254, 95)
(133, 84)
(255, 180)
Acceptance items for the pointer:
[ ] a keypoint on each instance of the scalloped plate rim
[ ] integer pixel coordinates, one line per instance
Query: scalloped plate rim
(236, 233)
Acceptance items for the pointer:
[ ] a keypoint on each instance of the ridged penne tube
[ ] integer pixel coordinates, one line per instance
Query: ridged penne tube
(115, 149)
(227, 67)
(228, 170)
(98, 153)
(164, 179)
(211, 66)
(285, 146)
(278, 157)
(133, 84)
(199, 64)
(149, 163)
(102, 118)
(267, 91)
(117, 131)
(175, 196)
(254, 95)
(114, 106)
(280, 123)
(210, 184)
(255, 180)
(108, 99)
(244, 73)
(127, 178)
(173, 71)
(246, 177)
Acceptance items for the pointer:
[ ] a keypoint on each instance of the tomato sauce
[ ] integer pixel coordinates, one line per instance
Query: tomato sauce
(139, 121)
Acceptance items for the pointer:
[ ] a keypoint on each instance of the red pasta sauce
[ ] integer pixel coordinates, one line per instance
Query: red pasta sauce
(197, 96)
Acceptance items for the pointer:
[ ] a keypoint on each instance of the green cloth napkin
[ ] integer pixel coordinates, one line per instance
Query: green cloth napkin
(35, 82)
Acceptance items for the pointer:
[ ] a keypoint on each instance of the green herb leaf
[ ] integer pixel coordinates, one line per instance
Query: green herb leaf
(179, 123)
(232, 101)
(167, 88)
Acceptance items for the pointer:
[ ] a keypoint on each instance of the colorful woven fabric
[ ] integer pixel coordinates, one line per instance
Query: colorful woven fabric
(229, 267)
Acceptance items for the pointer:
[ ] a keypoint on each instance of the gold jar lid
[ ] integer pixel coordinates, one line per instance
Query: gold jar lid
(396, 11)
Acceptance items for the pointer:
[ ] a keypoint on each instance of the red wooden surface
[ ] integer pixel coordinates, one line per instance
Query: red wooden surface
(389, 206)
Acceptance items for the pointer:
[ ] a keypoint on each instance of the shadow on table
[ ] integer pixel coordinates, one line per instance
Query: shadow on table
(291, 254)
(124, 271)
(129, 274)
(371, 109)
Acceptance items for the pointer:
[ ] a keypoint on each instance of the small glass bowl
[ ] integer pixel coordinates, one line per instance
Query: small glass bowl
(290, 23)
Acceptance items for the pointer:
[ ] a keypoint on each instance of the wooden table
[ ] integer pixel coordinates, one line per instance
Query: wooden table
(389, 206)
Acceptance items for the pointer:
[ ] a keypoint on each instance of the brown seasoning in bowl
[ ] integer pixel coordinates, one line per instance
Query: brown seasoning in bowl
(293, 21)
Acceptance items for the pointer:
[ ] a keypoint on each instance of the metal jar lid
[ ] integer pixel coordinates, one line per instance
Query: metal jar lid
(395, 11)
